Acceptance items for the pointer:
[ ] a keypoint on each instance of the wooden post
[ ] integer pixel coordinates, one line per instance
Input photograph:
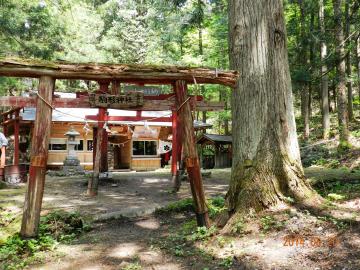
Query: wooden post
(95, 131)
(180, 146)
(104, 140)
(115, 87)
(3, 157)
(190, 154)
(116, 156)
(174, 155)
(16, 138)
(38, 154)
(94, 181)
(100, 163)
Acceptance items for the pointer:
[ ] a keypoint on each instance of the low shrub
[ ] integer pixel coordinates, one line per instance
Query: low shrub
(56, 227)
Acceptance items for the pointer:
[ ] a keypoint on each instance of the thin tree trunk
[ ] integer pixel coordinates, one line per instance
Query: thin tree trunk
(325, 106)
(312, 62)
(343, 116)
(266, 158)
(358, 62)
(304, 88)
(201, 52)
(348, 61)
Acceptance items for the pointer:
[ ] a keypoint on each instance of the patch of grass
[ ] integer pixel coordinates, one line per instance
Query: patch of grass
(339, 190)
(328, 163)
(341, 225)
(215, 206)
(269, 223)
(223, 240)
(132, 266)
(239, 226)
(227, 262)
(318, 174)
(203, 233)
(175, 207)
(56, 227)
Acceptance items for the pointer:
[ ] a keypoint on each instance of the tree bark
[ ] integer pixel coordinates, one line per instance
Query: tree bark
(325, 106)
(348, 60)
(343, 116)
(266, 158)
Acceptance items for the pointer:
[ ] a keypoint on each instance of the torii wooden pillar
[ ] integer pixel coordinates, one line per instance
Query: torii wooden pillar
(39, 154)
(99, 147)
(16, 138)
(175, 149)
(191, 155)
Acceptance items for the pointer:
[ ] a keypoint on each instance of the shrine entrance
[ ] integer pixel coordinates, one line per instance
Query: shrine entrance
(110, 96)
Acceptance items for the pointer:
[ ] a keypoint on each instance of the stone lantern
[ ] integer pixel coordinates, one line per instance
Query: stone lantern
(71, 162)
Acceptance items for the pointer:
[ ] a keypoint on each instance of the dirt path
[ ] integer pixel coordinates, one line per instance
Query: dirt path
(127, 194)
(160, 242)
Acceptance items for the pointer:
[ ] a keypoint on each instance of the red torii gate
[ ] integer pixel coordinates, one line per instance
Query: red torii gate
(182, 120)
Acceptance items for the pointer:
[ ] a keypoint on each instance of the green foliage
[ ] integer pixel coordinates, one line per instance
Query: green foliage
(203, 233)
(340, 225)
(338, 190)
(269, 223)
(179, 206)
(329, 163)
(227, 262)
(29, 29)
(215, 206)
(356, 133)
(311, 155)
(238, 227)
(56, 227)
(132, 266)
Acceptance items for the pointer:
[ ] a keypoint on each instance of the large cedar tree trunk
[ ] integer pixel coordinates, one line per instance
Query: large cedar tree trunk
(324, 79)
(343, 116)
(266, 158)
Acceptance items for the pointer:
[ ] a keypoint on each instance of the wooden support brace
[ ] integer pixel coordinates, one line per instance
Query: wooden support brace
(95, 130)
(103, 141)
(174, 156)
(16, 138)
(38, 153)
(191, 155)
(3, 157)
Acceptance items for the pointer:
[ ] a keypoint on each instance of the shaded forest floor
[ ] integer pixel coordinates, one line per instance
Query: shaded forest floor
(289, 238)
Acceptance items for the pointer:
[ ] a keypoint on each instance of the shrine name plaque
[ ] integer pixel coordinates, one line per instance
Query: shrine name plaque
(128, 100)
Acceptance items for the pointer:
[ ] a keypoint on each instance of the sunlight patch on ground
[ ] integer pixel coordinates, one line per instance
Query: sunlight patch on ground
(155, 180)
(151, 224)
(92, 267)
(125, 251)
(150, 257)
(167, 266)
